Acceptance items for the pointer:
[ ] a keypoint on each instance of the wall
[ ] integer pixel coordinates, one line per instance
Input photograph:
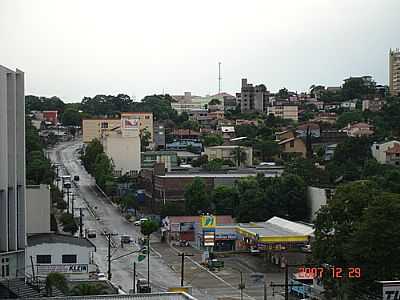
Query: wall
(38, 205)
(91, 128)
(56, 250)
(124, 151)
(316, 197)
(379, 154)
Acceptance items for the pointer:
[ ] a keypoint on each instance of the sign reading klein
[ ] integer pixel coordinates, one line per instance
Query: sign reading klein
(67, 268)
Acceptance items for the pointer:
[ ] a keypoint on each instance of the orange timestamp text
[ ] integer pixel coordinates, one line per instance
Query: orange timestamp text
(333, 271)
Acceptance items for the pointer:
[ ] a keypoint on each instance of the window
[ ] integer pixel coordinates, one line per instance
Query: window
(291, 144)
(147, 117)
(69, 259)
(43, 259)
(104, 125)
(5, 267)
(377, 147)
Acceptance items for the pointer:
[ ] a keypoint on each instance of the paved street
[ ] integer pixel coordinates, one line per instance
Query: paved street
(103, 216)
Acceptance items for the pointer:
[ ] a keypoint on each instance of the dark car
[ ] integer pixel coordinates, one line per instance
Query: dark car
(76, 178)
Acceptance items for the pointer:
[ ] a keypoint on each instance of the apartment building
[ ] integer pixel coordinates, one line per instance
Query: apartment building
(253, 98)
(231, 153)
(93, 128)
(373, 105)
(289, 112)
(394, 71)
(12, 174)
(386, 152)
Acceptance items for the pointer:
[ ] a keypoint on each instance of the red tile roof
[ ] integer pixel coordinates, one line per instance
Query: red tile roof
(394, 150)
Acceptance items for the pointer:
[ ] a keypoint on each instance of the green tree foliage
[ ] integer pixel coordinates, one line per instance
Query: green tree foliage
(43, 103)
(359, 227)
(86, 289)
(349, 118)
(56, 280)
(68, 223)
(109, 105)
(38, 167)
(172, 209)
(190, 124)
(103, 170)
(306, 169)
(355, 88)
(145, 137)
(223, 199)
(201, 161)
(268, 149)
(196, 197)
(283, 93)
(129, 201)
(148, 227)
(212, 140)
(239, 155)
(249, 131)
(391, 116)
(93, 149)
(214, 102)
(71, 117)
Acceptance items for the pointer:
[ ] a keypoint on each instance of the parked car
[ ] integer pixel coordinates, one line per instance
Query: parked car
(76, 178)
(142, 286)
(125, 239)
(101, 276)
(91, 233)
(139, 222)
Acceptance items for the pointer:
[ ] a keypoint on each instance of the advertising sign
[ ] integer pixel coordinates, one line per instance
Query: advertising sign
(209, 238)
(66, 268)
(128, 123)
(390, 290)
(208, 221)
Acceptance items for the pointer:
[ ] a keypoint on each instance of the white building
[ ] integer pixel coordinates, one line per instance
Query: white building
(122, 145)
(38, 205)
(66, 254)
(12, 174)
(379, 151)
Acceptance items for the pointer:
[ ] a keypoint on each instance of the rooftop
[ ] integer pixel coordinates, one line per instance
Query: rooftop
(394, 150)
(212, 175)
(53, 238)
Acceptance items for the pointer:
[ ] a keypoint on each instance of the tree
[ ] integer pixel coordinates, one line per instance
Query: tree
(145, 137)
(223, 199)
(148, 227)
(190, 124)
(202, 160)
(103, 170)
(196, 198)
(212, 140)
(68, 223)
(129, 201)
(349, 118)
(267, 148)
(93, 149)
(214, 102)
(214, 164)
(71, 117)
(356, 88)
(239, 155)
(283, 93)
(86, 289)
(359, 227)
(56, 280)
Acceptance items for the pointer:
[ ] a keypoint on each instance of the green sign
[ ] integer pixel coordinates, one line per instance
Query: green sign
(141, 257)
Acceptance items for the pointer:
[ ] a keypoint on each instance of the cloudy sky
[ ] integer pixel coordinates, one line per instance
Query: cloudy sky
(76, 48)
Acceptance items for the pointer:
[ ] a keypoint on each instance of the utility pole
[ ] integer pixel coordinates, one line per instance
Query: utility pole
(241, 285)
(219, 78)
(182, 255)
(148, 261)
(73, 198)
(80, 223)
(109, 235)
(265, 290)
(286, 281)
(134, 277)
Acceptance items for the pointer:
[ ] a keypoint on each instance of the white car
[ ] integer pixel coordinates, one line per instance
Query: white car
(139, 222)
(101, 276)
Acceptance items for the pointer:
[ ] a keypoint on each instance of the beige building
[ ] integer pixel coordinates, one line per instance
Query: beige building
(394, 71)
(380, 151)
(93, 128)
(38, 205)
(122, 146)
(252, 98)
(289, 112)
(228, 152)
(294, 146)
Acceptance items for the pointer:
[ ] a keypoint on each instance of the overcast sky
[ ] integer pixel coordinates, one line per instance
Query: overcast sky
(76, 48)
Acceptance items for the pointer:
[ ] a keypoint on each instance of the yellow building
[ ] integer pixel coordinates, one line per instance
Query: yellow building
(92, 128)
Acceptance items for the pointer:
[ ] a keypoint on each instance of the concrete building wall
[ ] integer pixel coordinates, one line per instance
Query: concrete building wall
(289, 112)
(38, 204)
(316, 199)
(394, 72)
(227, 152)
(379, 150)
(12, 173)
(123, 150)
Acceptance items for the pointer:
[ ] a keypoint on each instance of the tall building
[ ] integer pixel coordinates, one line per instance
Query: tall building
(253, 98)
(12, 174)
(394, 71)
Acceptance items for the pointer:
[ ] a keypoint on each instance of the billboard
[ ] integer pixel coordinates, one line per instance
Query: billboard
(390, 290)
(66, 268)
(208, 221)
(129, 123)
